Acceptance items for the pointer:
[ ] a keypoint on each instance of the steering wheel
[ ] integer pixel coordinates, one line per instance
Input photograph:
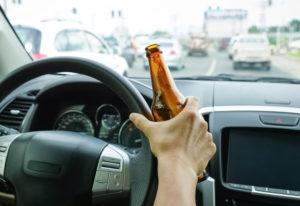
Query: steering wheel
(65, 168)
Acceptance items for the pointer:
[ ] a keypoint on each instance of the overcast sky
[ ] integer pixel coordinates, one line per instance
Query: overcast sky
(150, 15)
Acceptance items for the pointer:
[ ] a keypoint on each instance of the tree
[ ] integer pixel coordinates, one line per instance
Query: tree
(161, 34)
(253, 29)
(295, 25)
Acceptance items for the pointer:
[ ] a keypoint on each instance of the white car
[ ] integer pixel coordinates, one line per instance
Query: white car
(252, 51)
(231, 45)
(140, 42)
(61, 38)
(294, 45)
(172, 51)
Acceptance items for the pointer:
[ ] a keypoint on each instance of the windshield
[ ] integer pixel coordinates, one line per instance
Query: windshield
(209, 38)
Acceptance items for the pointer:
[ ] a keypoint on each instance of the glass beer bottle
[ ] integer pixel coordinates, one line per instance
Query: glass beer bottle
(167, 100)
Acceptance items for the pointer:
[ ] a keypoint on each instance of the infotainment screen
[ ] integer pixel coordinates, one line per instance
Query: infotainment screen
(266, 158)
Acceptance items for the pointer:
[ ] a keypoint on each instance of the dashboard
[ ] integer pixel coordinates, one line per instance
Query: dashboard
(255, 127)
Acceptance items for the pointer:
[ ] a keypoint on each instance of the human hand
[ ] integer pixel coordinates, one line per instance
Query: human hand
(184, 140)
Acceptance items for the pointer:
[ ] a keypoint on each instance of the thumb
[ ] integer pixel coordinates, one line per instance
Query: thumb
(140, 121)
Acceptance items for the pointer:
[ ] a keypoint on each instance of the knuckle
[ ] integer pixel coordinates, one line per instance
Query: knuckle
(210, 137)
(191, 114)
(203, 125)
(194, 99)
(213, 148)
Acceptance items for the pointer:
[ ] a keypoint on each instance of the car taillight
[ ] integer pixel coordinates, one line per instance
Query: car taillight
(38, 56)
(172, 52)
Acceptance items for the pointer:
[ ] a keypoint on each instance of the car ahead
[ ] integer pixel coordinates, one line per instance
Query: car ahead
(198, 45)
(173, 54)
(223, 44)
(63, 38)
(140, 41)
(252, 51)
(123, 49)
(231, 45)
(295, 45)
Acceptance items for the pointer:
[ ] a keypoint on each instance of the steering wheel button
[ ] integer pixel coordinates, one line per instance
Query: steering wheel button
(115, 182)
(100, 187)
(3, 148)
(101, 176)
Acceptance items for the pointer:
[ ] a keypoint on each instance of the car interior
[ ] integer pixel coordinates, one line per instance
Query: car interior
(66, 138)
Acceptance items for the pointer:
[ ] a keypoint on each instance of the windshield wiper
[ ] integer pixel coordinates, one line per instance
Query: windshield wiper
(233, 77)
(220, 77)
(209, 78)
(278, 80)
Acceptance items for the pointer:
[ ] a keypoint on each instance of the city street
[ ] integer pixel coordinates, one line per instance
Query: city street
(219, 63)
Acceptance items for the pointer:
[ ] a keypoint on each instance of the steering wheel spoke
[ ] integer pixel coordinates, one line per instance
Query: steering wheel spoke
(112, 175)
(5, 142)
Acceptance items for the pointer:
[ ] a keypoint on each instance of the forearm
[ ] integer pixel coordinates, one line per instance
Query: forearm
(176, 184)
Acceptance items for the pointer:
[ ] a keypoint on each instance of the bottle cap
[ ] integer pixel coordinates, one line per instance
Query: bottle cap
(152, 48)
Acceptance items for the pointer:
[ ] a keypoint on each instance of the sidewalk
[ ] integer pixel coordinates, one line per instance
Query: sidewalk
(287, 64)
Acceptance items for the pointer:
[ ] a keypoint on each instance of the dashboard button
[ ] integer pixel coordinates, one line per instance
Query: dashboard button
(277, 191)
(283, 120)
(245, 187)
(242, 187)
(261, 189)
(234, 185)
(295, 193)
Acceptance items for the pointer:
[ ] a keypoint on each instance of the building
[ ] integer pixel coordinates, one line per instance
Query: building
(224, 23)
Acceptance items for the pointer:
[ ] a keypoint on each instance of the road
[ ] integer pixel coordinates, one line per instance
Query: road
(219, 63)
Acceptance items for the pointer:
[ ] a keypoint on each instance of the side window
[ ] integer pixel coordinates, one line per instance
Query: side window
(61, 41)
(96, 44)
(77, 41)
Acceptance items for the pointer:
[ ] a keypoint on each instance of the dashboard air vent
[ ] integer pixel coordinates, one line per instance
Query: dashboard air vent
(13, 114)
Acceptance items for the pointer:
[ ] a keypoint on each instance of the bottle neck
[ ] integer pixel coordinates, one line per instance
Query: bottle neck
(161, 77)
(159, 71)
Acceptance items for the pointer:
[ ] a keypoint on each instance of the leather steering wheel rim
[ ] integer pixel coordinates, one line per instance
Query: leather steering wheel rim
(142, 164)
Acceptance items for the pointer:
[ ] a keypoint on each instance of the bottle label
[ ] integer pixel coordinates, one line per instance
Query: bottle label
(160, 110)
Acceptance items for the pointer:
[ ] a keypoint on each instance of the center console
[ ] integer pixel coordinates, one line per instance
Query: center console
(258, 159)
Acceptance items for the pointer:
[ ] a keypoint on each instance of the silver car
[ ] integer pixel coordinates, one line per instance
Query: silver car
(172, 51)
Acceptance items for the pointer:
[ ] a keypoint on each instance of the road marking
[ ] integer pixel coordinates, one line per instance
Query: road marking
(212, 67)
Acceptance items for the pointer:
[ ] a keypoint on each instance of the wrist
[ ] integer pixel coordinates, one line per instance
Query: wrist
(173, 167)
(176, 179)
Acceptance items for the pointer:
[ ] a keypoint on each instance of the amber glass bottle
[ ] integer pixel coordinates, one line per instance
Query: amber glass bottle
(167, 100)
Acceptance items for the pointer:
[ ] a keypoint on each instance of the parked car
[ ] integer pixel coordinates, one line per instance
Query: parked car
(198, 45)
(252, 50)
(123, 49)
(173, 54)
(61, 38)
